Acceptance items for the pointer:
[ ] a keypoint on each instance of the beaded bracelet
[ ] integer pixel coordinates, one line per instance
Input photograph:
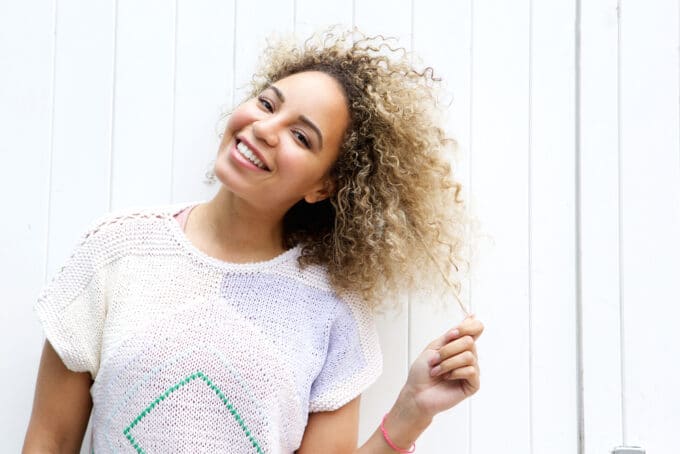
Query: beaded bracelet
(389, 442)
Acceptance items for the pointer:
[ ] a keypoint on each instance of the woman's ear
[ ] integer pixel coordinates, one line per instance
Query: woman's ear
(322, 193)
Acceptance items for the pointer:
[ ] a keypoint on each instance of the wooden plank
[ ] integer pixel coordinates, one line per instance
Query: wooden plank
(387, 18)
(256, 20)
(143, 103)
(83, 100)
(599, 244)
(371, 17)
(27, 31)
(500, 197)
(442, 38)
(312, 15)
(203, 92)
(553, 324)
(650, 223)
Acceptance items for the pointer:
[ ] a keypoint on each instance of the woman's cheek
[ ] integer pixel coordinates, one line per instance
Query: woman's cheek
(238, 120)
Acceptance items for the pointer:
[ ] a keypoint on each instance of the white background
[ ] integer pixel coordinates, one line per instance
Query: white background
(567, 114)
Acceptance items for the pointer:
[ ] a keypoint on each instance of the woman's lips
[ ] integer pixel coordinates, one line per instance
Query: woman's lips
(253, 150)
(242, 160)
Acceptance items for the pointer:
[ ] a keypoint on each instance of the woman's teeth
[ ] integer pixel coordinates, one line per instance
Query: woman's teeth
(249, 155)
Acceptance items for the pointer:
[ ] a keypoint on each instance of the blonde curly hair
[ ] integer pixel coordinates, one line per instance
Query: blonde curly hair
(395, 219)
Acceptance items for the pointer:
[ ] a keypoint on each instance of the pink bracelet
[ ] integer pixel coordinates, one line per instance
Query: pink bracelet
(389, 442)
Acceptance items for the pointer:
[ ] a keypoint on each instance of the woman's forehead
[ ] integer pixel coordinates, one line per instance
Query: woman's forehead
(311, 84)
(317, 96)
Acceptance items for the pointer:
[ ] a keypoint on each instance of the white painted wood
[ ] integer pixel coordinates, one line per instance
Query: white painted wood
(26, 75)
(499, 185)
(143, 103)
(552, 229)
(83, 101)
(256, 21)
(599, 217)
(203, 92)
(650, 223)
(387, 18)
(441, 38)
(312, 15)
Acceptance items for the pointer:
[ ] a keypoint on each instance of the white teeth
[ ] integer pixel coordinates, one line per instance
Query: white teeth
(249, 155)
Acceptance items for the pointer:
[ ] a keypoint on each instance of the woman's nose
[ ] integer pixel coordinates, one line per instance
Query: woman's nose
(266, 131)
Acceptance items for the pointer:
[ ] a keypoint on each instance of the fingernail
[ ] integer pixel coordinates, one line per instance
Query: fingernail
(435, 371)
(454, 333)
(435, 359)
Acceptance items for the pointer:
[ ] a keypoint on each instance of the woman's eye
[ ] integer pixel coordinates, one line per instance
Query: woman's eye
(301, 137)
(267, 105)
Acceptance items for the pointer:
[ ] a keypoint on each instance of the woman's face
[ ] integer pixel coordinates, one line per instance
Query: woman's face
(278, 147)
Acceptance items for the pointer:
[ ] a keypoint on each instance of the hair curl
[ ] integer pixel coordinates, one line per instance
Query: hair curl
(395, 219)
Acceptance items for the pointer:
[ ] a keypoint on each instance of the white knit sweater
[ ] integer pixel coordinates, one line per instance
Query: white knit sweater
(192, 354)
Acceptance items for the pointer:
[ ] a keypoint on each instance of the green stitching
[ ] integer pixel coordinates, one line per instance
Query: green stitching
(175, 387)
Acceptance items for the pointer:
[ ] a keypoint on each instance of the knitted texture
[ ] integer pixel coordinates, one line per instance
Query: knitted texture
(193, 354)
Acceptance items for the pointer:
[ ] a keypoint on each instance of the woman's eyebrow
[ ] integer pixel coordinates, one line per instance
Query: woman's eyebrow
(302, 118)
(278, 92)
(316, 129)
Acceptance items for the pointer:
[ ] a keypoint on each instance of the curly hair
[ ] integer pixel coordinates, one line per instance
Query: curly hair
(395, 219)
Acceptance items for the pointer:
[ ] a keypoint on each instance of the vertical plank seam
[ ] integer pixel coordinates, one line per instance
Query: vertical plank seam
(50, 156)
(173, 112)
(620, 217)
(470, 129)
(113, 100)
(529, 225)
(233, 57)
(580, 423)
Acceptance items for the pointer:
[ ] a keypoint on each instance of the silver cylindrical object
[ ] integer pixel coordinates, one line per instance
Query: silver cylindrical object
(628, 450)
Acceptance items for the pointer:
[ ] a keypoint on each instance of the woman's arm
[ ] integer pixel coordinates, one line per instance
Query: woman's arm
(61, 407)
(336, 432)
(443, 375)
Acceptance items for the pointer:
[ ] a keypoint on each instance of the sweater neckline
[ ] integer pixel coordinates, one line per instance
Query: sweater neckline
(188, 246)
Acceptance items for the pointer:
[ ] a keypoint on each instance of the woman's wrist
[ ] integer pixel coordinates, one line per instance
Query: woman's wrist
(405, 421)
(403, 424)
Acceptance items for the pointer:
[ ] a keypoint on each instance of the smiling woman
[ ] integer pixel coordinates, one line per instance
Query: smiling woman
(245, 323)
(278, 147)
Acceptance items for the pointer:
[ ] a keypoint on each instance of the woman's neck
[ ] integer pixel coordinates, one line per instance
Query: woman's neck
(236, 231)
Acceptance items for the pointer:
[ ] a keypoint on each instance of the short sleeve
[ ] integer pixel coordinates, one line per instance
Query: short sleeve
(353, 361)
(72, 306)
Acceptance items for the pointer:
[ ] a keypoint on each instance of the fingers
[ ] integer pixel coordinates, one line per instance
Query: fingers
(470, 326)
(470, 375)
(456, 346)
(457, 358)
(439, 342)
(459, 353)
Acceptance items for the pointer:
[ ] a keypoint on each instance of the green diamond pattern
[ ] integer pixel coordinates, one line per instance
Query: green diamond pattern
(175, 387)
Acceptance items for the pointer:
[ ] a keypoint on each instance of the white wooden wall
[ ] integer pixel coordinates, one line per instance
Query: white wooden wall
(568, 116)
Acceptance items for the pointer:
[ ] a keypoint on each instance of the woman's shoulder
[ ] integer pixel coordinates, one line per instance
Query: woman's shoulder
(316, 278)
(108, 236)
(131, 214)
(120, 220)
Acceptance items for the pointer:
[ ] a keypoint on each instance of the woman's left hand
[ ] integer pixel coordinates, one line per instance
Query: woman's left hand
(447, 371)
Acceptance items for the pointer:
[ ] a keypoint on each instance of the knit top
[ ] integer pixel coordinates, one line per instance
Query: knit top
(190, 353)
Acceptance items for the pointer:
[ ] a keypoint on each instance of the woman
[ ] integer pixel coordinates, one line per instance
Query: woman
(244, 323)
